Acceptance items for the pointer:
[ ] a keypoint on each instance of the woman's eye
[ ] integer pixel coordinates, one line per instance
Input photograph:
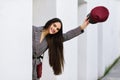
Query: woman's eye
(54, 25)
(58, 29)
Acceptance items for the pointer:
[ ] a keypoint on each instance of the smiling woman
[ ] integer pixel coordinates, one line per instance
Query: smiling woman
(51, 37)
(54, 28)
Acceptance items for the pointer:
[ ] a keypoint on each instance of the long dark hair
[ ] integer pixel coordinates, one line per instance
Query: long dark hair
(55, 45)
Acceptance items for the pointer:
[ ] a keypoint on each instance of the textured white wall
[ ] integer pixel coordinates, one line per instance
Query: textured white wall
(15, 41)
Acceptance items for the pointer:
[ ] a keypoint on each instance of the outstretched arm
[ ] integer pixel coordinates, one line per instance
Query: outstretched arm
(75, 32)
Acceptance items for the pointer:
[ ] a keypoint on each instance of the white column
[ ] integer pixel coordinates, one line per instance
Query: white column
(92, 52)
(15, 41)
(100, 50)
(82, 44)
(87, 59)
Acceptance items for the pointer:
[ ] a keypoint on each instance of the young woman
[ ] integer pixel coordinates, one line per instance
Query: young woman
(51, 37)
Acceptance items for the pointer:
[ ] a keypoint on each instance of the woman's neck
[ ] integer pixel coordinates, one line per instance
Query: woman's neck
(43, 35)
(45, 32)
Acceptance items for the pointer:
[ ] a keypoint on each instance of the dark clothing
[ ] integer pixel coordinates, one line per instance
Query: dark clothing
(40, 48)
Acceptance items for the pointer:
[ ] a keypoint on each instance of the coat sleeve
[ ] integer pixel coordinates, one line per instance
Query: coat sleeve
(34, 32)
(33, 38)
(72, 33)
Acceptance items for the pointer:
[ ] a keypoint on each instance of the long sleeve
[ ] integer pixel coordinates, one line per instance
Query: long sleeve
(38, 48)
(72, 33)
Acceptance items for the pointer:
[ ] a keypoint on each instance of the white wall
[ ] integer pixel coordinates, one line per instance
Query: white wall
(82, 44)
(43, 10)
(15, 41)
(101, 40)
(87, 47)
(111, 34)
(107, 36)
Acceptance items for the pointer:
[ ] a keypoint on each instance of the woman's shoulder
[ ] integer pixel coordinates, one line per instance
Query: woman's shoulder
(37, 28)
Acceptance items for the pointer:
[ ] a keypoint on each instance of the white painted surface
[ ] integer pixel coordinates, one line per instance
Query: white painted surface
(15, 41)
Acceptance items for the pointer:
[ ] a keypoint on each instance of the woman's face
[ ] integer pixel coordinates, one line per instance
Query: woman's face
(54, 28)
